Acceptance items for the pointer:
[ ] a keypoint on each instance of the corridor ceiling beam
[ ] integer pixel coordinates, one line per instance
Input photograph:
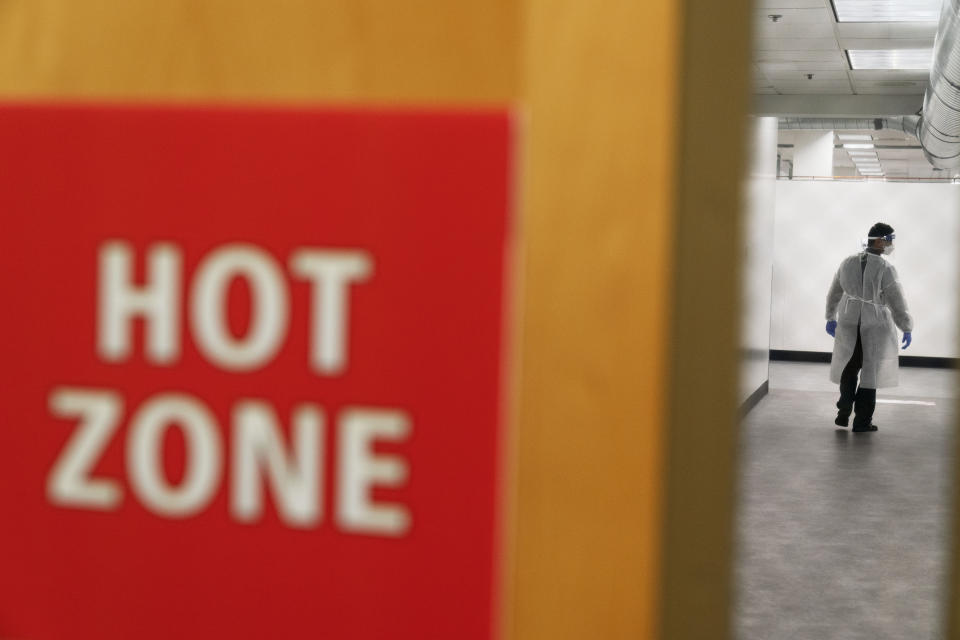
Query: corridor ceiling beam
(836, 106)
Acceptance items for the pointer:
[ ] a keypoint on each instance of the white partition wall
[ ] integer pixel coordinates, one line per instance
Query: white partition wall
(758, 219)
(817, 224)
(813, 153)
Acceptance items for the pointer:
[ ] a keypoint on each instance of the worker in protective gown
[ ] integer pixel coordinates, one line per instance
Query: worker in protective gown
(865, 307)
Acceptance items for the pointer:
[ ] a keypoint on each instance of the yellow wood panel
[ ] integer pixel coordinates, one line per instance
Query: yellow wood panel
(416, 50)
(599, 85)
(703, 428)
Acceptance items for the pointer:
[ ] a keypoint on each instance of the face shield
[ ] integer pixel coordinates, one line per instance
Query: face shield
(887, 240)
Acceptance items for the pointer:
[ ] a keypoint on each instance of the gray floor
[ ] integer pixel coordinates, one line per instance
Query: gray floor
(844, 535)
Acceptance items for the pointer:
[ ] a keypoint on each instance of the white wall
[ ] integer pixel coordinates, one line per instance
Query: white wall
(813, 153)
(819, 223)
(760, 201)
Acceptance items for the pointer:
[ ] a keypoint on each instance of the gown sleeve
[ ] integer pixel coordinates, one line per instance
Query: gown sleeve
(893, 296)
(833, 297)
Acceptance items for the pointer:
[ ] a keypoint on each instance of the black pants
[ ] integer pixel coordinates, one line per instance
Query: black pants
(860, 400)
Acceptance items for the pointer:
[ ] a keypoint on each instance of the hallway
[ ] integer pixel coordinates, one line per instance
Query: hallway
(842, 535)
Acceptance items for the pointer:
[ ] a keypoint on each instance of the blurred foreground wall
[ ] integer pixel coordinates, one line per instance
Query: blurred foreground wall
(626, 314)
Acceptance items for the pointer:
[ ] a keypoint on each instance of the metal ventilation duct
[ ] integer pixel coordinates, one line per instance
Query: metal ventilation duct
(907, 124)
(939, 130)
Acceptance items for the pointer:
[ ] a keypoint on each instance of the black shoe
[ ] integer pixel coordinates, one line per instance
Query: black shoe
(842, 421)
(870, 427)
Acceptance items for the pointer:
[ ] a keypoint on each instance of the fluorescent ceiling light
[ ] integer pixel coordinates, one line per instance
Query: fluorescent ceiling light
(858, 145)
(856, 154)
(887, 10)
(890, 58)
(867, 165)
(853, 137)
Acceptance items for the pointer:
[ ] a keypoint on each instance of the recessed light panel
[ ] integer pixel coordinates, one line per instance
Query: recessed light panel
(890, 58)
(858, 145)
(887, 10)
(854, 137)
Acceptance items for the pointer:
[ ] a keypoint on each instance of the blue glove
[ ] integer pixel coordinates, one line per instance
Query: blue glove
(832, 328)
(907, 339)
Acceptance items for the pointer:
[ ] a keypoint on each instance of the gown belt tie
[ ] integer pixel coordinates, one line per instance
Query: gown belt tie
(876, 305)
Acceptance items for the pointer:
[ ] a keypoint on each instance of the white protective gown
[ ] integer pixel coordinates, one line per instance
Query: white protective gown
(874, 300)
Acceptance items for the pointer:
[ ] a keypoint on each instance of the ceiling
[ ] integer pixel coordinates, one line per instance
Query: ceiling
(807, 39)
(801, 68)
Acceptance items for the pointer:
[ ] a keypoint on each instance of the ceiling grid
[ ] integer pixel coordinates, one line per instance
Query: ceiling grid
(805, 39)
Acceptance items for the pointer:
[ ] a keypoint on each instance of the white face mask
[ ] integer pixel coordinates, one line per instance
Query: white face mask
(887, 250)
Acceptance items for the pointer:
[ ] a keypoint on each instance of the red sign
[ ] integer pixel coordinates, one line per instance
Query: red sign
(252, 366)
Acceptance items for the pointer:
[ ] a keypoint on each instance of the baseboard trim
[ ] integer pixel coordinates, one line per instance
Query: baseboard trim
(823, 356)
(799, 356)
(754, 398)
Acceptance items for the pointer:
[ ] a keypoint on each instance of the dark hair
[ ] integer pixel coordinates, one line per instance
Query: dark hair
(879, 230)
